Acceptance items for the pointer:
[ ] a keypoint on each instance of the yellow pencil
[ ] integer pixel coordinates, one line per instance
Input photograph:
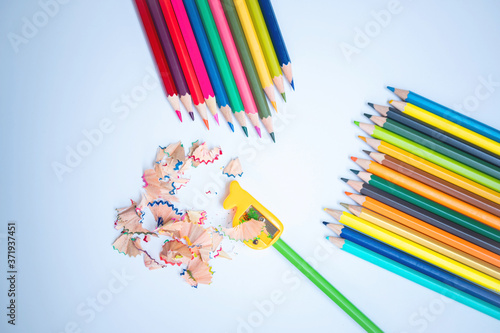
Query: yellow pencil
(424, 240)
(416, 250)
(256, 51)
(447, 126)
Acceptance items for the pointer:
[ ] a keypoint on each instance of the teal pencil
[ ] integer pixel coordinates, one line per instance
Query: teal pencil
(417, 277)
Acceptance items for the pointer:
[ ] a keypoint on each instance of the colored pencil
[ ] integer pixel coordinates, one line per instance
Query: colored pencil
(436, 145)
(435, 182)
(436, 133)
(222, 63)
(417, 277)
(414, 263)
(428, 204)
(209, 60)
(278, 40)
(195, 56)
(436, 170)
(428, 192)
(424, 240)
(161, 62)
(325, 286)
(185, 61)
(267, 45)
(255, 50)
(417, 250)
(371, 193)
(428, 229)
(170, 55)
(447, 113)
(249, 66)
(448, 126)
(430, 155)
(235, 63)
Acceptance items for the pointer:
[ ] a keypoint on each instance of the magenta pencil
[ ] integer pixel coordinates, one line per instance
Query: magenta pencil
(195, 56)
(235, 63)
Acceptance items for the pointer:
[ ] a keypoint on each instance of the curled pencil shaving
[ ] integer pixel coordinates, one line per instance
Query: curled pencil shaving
(195, 216)
(130, 219)
(197, 272)
(164, 211)
(125, 243)
(175, 252)
(245, 231)
(233, 168)
(199, 153)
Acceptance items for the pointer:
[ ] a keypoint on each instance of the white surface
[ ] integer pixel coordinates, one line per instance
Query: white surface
(68, 76)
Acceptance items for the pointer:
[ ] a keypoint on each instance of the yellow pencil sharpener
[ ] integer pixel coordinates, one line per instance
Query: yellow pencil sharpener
(247, 207)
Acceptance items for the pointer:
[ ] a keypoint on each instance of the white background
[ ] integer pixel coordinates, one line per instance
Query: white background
(70, 75)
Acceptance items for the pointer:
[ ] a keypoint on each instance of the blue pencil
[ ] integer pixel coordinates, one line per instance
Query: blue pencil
(209, 60)
(416, 264)
(447, 113)
(277, 38)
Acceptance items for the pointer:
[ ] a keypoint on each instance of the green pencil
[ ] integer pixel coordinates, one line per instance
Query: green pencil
(417, 277)
(430, 155)
(436, 145)
(222, 63)
(428, 205)
(248, 65)
(267, 45)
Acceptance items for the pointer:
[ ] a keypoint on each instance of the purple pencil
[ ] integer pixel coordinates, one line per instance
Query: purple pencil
(171, 55)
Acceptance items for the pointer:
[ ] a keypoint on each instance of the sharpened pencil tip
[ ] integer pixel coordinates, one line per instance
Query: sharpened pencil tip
(354, 171)
(367, 115)
(356, 122)
(362, 138)
(216, 116)
(284, 96)
(257, 128)
(390, 88)
(348, 193)
(191, 114)
(354, 158)
(179, 115)
(327, 237)
(273, 103)
(367, 152)
(293, 85)
(346, 206)
(272, 137)
(345, 180)
(231, 126)
(370, 104)
(245, 129)
(326, 223)
(206, 123)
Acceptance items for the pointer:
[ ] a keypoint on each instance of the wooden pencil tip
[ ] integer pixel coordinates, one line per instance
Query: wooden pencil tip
(367, 152)
(354, 158)
(326, 223)
(346, 206)
(390, 88)
(370, 104)
(362, 138)
(356, 122)
(345, 180)
(354, 171)
(348, 193)
(367, 115)
(337, 241)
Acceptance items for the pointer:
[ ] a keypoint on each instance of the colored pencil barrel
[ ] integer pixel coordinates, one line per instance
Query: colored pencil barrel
(235, 63)
(432, 156)
(432, 168)
(222, 62)
(447, 113)
(161, 61)
(428, 192)
(370, 193)
(209, 60)
(440, 135)
(436, 145)
(266, 44)
(325, 286)
(422, 279)
(448, 126)
(170, 55)
(195, 56)
(277, 38)
(436, 182)
(424, 240)
(443, 231)
(248, 65)
(420, 251)
(419, 265)
(255, 49)
(184, 59)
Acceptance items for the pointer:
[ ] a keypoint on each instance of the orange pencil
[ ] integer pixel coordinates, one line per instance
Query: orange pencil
(429, 192)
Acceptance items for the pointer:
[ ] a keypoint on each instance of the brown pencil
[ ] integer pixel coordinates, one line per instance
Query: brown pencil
(435, 182)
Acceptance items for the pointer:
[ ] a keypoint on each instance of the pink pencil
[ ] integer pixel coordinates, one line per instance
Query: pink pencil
(195, 55)
(235, 63)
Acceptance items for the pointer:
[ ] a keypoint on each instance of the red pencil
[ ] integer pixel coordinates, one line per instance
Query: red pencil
(161, 61)
(185, 61)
